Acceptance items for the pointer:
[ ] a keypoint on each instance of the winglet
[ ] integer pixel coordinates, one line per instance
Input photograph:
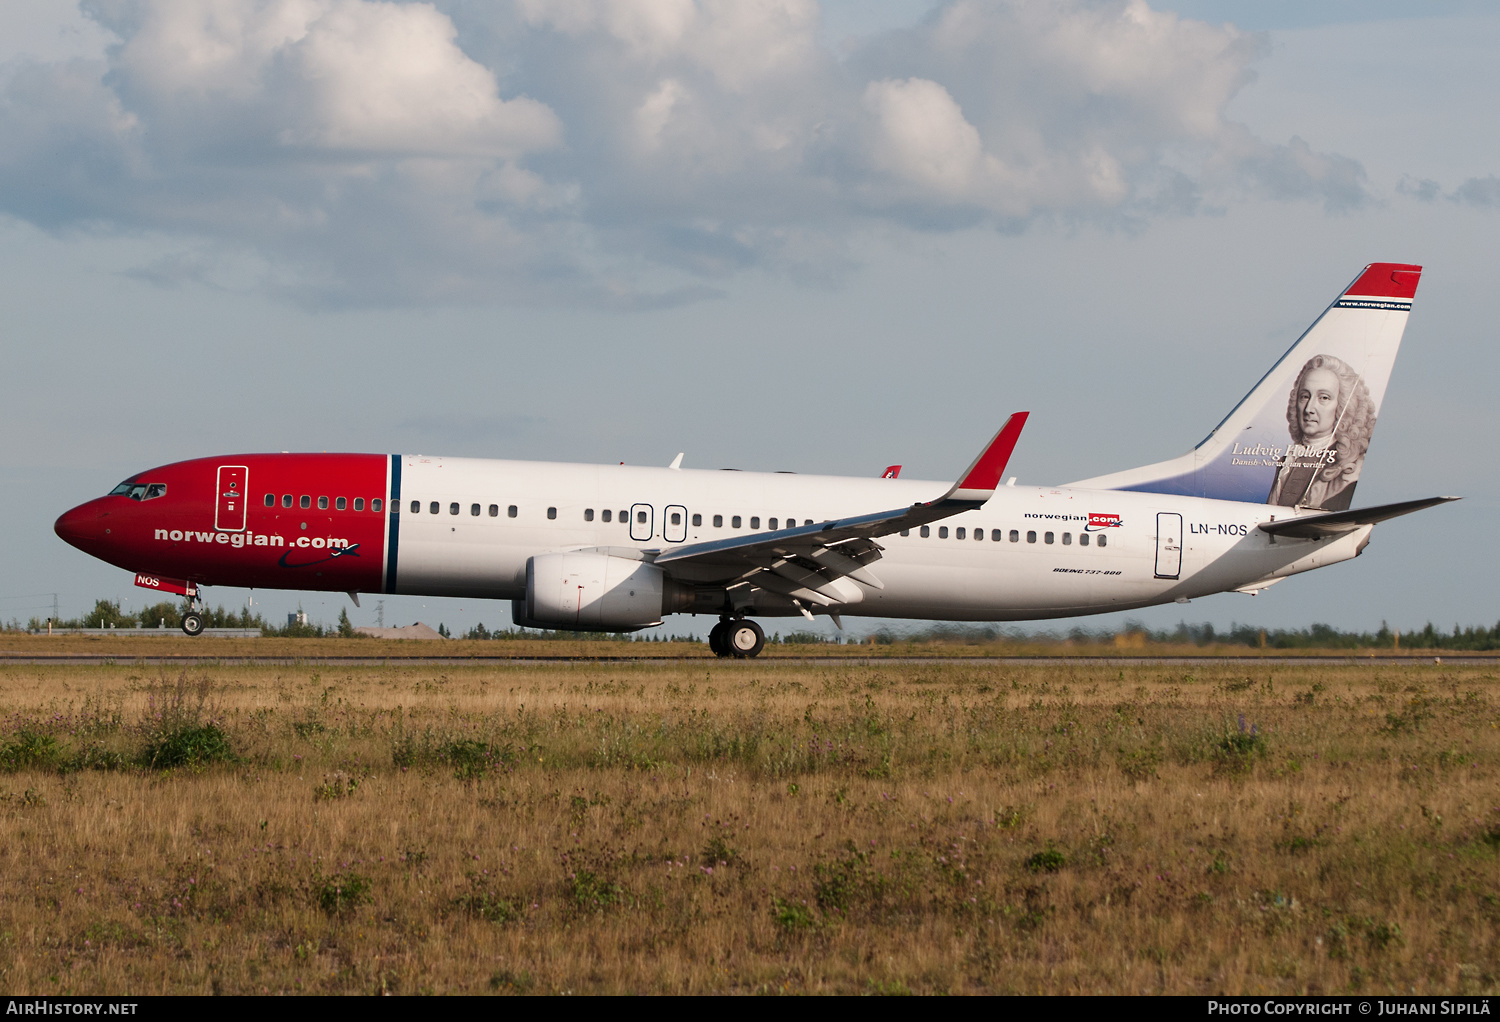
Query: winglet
(979, 481)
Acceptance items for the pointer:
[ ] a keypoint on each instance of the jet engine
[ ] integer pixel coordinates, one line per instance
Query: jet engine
(592, 591)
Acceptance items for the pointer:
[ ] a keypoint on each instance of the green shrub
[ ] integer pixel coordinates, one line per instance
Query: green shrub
(1237, 751)
(1048, 860)
(30, 750)
(343, 891)
(792, 916)
(190, 745)
(592, 892)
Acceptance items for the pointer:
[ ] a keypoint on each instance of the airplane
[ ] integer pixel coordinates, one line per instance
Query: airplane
(615, 548)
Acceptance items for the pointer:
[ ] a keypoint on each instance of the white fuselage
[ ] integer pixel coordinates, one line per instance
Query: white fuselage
(1012, 573)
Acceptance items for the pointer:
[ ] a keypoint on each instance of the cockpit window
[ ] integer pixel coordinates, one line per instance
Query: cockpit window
(139, 491)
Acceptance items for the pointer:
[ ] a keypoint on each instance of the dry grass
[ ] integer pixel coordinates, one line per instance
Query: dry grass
(755, 827)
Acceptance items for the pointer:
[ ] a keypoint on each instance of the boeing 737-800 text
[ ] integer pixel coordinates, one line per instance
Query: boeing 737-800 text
(617, 548)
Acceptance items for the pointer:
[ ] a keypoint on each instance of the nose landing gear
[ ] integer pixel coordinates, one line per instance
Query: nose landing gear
(736, 638)
(192, 621)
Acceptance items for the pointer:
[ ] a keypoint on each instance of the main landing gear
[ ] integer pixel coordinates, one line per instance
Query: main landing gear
(736, 638)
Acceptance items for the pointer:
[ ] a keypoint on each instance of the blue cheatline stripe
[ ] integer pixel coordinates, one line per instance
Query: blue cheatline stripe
(393, 515)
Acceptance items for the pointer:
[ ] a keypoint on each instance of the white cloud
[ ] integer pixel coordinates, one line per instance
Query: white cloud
(623, 150)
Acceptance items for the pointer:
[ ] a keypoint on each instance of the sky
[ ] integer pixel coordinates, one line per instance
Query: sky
(772, 234)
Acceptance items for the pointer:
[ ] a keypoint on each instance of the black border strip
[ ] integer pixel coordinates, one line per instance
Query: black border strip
(393, 516)
(1392, 305)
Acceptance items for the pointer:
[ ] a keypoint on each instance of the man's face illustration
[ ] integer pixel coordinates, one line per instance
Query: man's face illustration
(1318, 403)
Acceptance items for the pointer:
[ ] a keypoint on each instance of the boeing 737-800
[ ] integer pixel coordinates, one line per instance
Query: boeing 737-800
(618, 548)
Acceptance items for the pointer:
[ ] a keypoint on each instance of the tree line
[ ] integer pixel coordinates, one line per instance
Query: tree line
(168, 614)
(1315, 636)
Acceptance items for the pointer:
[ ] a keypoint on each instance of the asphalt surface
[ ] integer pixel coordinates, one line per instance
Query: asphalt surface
(63, 659)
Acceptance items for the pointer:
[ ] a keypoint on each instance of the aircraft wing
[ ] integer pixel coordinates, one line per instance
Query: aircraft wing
(1337, 522)
(804, 561)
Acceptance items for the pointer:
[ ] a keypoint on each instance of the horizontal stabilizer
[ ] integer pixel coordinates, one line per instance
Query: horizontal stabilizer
(1338, 522)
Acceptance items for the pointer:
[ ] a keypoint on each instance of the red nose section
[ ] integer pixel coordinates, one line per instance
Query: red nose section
(87, 527)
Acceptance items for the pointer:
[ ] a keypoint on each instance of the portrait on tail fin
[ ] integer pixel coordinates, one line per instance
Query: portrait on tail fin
(1330, 417)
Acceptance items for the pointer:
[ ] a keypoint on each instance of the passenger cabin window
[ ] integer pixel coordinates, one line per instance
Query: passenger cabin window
(926, 531)
(906, 532)
(959, 533)
(1048, 538)
(376, 504)
(771, 525)
(474, 510)
(676, 517)
(697, 520)
(340, 504)
(551, 513)
(718, 521)
(359, 503)
(588, 514)
(432, 508)
(453, 508)
(1103, 540)
(1083, 539)
(606, 515)
(270, 500)
(286, 500)
(755, 522)
(942, 532)
(306, 501)
(416, 507)
(510, 512)
(734, 523)
(1015, 536)
(1031, 537)
(494, 510)
(640, 517)
(322, 503)
(1067, 539)
(624, 516)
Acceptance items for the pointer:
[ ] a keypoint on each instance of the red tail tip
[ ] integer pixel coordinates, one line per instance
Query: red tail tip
(1387, 280)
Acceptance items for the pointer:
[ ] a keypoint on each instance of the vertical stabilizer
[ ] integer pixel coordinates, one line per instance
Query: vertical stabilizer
(1301, 435)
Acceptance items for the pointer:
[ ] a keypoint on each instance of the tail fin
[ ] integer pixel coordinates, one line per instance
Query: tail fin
(1300, 437)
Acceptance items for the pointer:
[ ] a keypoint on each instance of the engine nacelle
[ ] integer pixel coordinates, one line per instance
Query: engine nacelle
(590, 591)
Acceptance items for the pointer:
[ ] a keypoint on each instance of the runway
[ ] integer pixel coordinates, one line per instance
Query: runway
(76, 659)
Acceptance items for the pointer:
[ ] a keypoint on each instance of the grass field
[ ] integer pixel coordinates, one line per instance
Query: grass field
(708, 826)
